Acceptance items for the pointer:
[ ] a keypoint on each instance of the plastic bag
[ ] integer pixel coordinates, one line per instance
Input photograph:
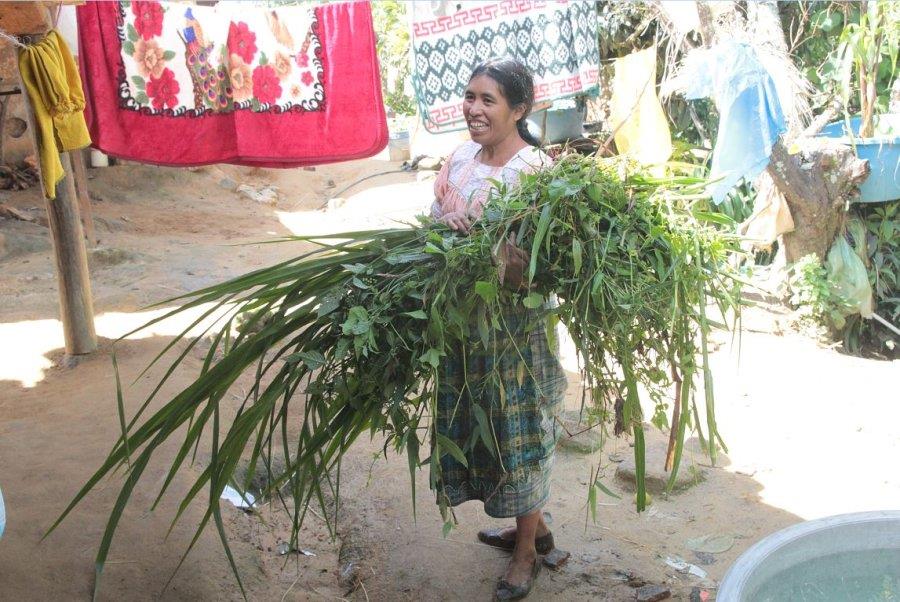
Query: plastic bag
(849, 281)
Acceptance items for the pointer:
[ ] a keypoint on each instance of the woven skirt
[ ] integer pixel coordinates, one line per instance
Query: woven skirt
(499, 406)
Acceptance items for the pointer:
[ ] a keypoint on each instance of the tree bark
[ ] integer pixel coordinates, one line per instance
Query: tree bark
(816, 183)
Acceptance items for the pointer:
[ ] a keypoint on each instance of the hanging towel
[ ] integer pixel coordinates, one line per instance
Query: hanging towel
(636, 116)
(172, 83)
(51, 79)
(557, 41)
(750, 114)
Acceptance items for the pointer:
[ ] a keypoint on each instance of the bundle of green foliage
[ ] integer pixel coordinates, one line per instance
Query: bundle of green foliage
(357, 330)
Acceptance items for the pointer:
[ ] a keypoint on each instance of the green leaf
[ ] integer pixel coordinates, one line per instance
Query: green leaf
(418, 314)
(485, 429)
(486, 290)
(533, 300)
(358, 321)
(576, 256)
(313, 359)
(543, 224)
(263, 59)
(448, 446)
(412, 455)
(128, 47)
(142, 98)
(169, 55)
(138, 81)
(328, 305)
(431, 357)
(132, 33)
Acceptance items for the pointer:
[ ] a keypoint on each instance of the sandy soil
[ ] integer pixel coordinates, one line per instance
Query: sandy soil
(811, 432)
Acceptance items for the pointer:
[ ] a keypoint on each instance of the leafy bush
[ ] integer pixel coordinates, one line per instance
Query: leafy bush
(389, 17)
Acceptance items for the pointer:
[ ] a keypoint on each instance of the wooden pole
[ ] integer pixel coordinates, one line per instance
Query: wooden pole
(79, 172)
(76, 305)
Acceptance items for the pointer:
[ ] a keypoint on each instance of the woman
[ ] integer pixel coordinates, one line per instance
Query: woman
(513, 480)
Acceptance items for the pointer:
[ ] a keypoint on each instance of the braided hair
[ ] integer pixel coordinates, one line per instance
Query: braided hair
(517, 86)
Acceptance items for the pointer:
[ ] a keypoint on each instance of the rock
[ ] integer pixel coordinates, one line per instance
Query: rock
(652, 593)
(656, 477)
(227, 183)
(112, 224)
(109, 256)
(430, 163)
(581, 440)
(556, 559)
(14, 242)
(267, 195)
(260, 480)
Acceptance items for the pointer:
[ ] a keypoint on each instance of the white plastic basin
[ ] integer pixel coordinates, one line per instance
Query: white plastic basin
(844, 557)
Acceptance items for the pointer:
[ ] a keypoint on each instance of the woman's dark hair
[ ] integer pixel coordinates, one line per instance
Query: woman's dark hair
(516, 84)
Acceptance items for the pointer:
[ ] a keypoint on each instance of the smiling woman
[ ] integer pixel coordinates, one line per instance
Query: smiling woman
(477, 385)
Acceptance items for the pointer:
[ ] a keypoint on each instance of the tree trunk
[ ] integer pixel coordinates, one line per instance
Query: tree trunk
(816, 183)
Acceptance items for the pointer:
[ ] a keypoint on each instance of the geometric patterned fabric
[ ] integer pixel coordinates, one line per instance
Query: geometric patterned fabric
(557, 41)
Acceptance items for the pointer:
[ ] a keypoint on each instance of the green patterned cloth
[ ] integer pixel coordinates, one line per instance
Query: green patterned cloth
(519, 385)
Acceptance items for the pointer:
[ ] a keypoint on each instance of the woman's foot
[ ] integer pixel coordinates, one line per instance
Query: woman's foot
(519, 577)
(523, 566)
(505, 538)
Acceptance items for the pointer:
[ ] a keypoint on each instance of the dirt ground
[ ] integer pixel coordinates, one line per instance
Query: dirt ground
(811, 432)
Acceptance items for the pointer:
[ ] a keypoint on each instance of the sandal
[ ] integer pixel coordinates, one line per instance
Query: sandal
(506, 591)
(494, 538)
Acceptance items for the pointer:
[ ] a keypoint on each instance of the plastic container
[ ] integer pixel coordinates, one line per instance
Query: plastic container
(788, 554)
(882, 151)
(562, 125)
(398, 146)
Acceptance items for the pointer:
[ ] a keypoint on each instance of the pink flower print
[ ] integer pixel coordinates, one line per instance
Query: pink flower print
(282, 66)
(148, 18)
(266, 87)
(307, 78)
(163, 90)
(241, 41)
(302, 59)
(149, 58)
(241, 77)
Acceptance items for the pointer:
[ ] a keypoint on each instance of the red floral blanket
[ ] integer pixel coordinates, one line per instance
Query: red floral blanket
(179, 84)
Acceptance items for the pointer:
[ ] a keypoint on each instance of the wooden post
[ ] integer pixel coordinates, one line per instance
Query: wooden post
(79, 172)
(76, 305)
(75, 300)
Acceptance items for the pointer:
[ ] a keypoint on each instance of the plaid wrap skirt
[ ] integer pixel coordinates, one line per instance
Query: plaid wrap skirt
(514, 390)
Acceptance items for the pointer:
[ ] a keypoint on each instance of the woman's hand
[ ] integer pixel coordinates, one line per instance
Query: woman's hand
(457, 220)
(511, 261)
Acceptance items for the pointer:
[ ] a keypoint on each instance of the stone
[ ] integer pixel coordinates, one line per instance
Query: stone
(15, 242)
(260, 481)
(652, 593)
(228, 184)
(556, 559)
(430, 163)
(109, 256)
(656, 478)
(266, 195)
(576, 437)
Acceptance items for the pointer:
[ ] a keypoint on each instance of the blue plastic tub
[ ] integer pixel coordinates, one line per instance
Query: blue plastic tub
(882, 151)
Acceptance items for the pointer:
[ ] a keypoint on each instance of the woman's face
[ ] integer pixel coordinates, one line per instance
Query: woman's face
(487, 112)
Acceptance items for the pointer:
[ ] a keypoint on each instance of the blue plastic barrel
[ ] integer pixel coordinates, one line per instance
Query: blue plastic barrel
(882, 151)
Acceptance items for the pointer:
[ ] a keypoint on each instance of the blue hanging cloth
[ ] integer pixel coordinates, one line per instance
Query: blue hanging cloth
(750, 115)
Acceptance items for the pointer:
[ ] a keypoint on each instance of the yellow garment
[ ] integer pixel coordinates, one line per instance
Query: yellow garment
(636, 116)
(51, 79)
